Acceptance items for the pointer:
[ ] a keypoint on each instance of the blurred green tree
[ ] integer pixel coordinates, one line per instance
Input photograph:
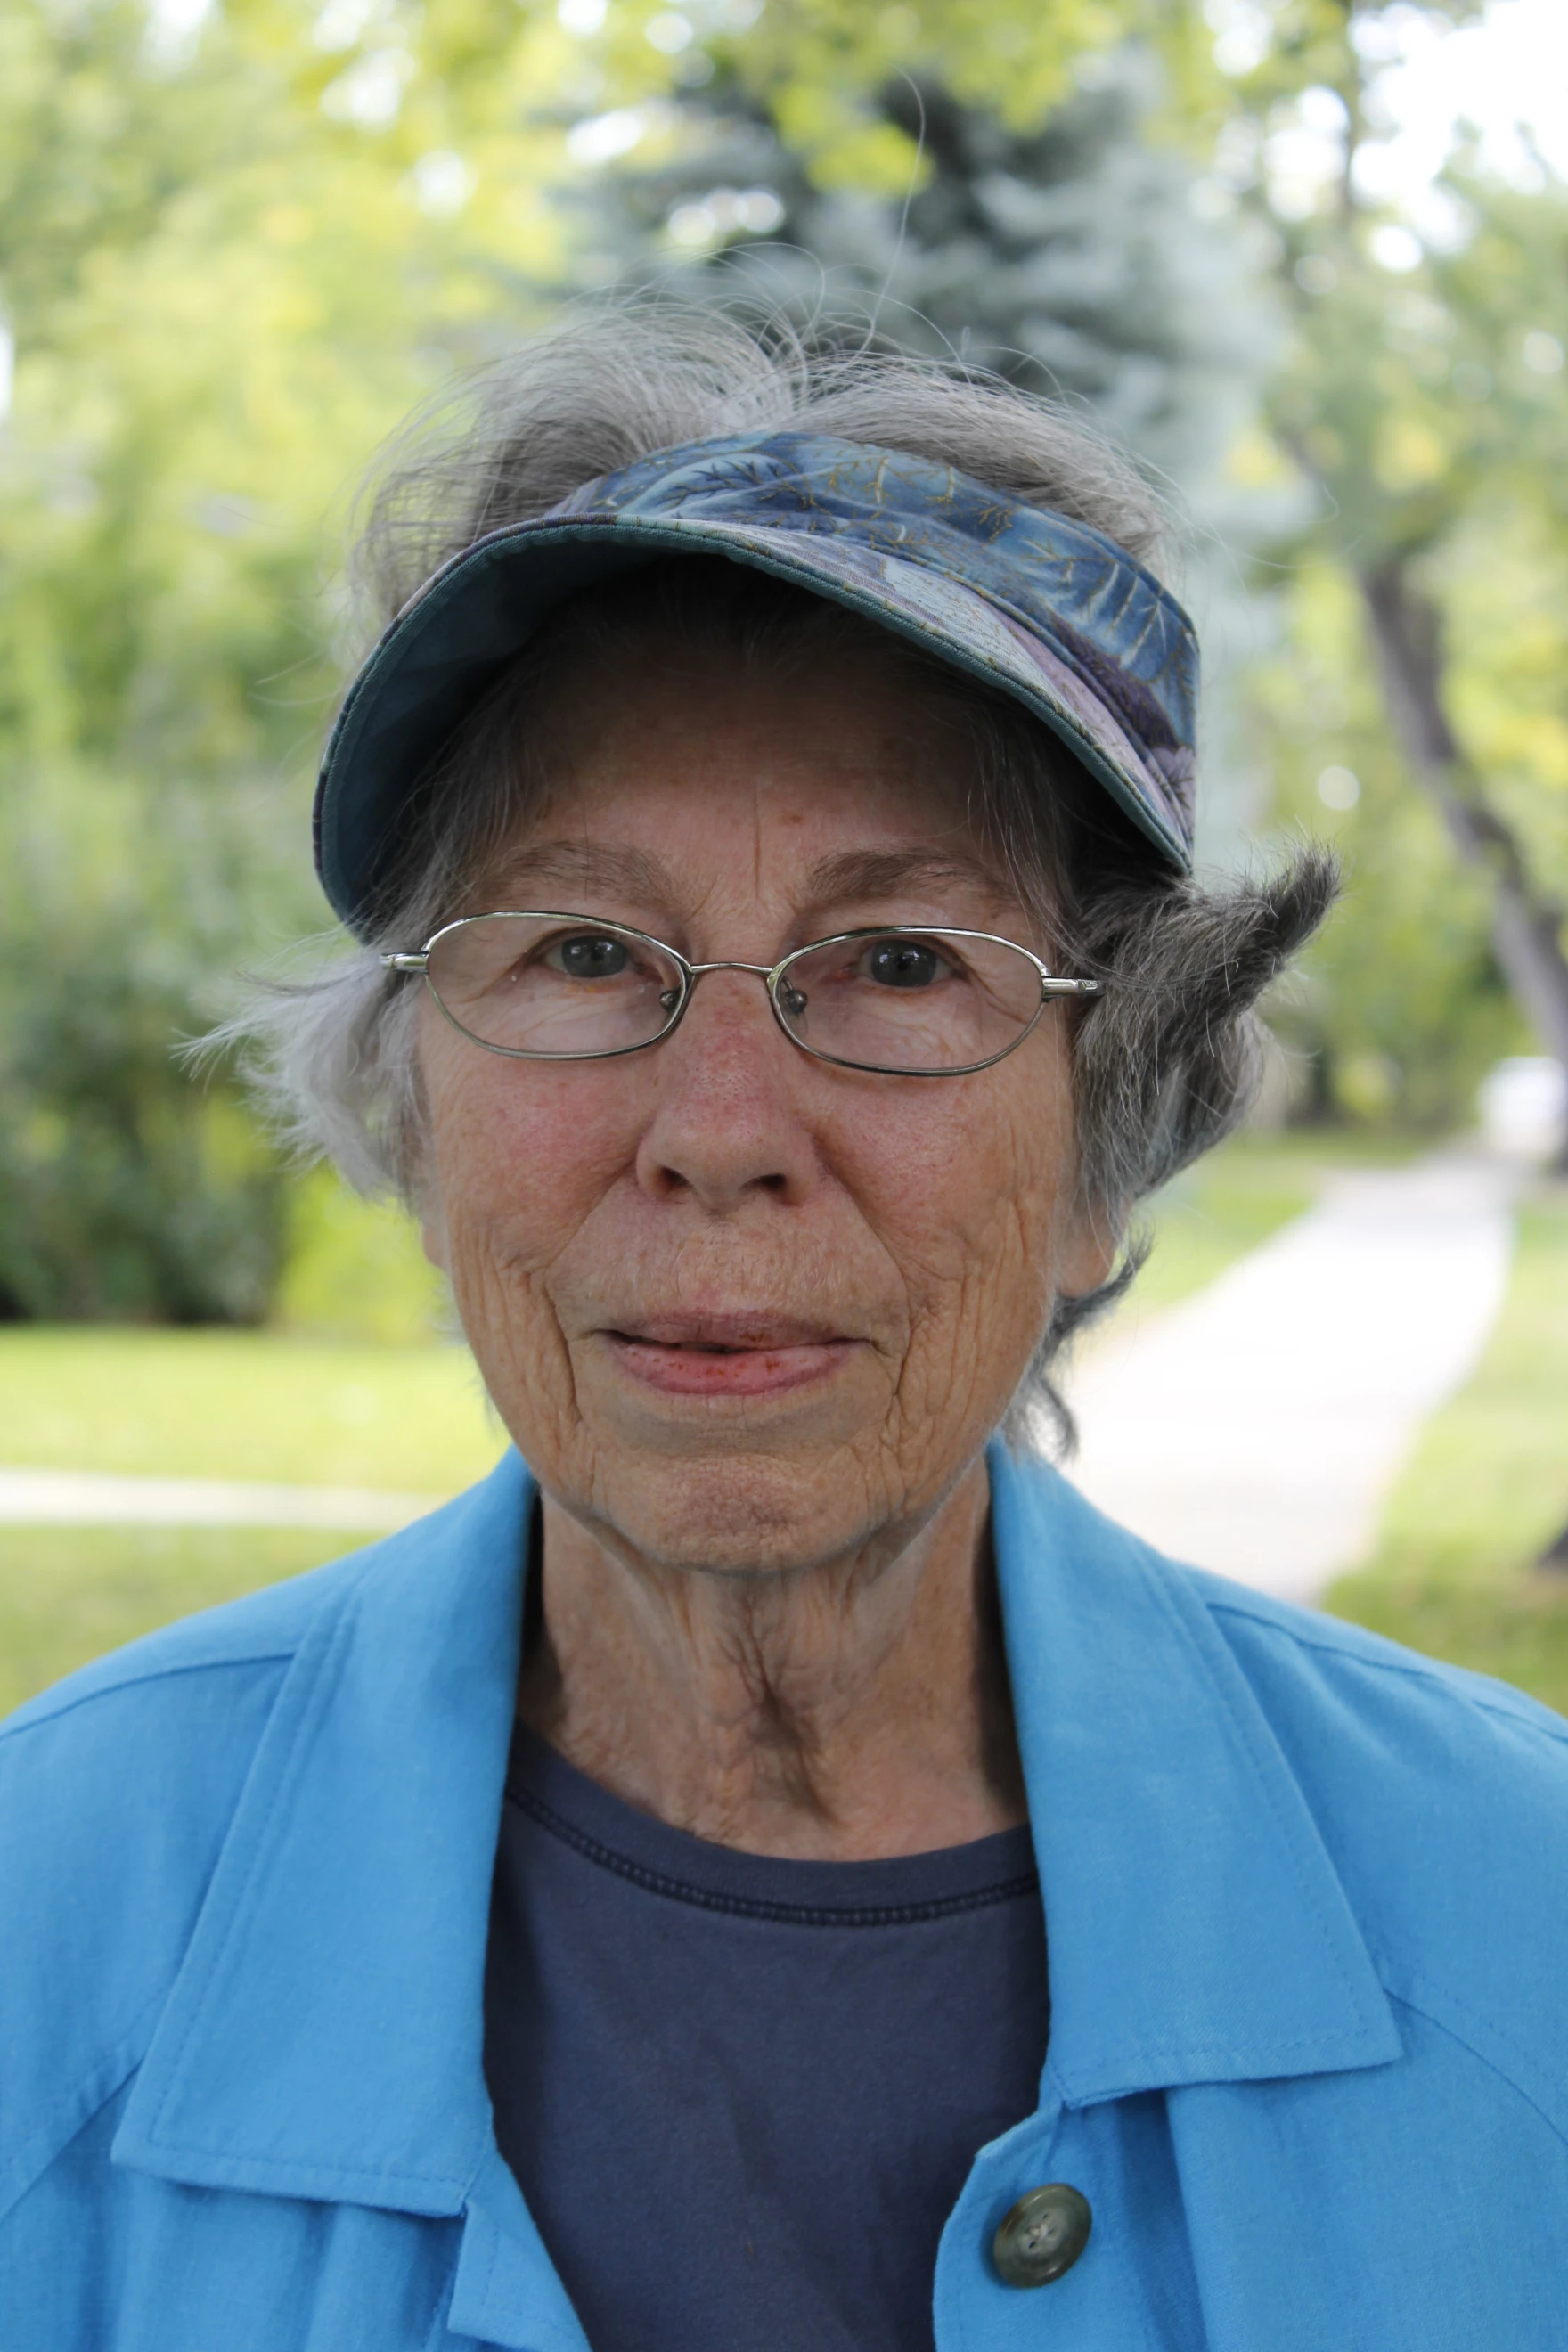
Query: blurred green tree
(129, 642)
(1064, 251)
(125, 1193)
(222, 288)
(1422, 397)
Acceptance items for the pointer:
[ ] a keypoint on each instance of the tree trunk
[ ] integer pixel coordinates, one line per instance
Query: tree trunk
(1527, 926)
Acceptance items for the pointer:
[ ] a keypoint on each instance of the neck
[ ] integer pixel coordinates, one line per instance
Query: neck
(845, 1712)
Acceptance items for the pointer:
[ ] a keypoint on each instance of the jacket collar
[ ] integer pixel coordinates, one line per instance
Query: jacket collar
(1196, 1928)
(323, 2037)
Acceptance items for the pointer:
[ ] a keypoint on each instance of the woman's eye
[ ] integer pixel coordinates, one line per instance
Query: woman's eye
(589, 958)
(904, 963)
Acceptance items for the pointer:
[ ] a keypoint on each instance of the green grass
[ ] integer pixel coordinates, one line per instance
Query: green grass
(68, 1594)
(301, 1409)
(267, 1406)
(1485, 1492)
(355, 1269)
(244, 1405)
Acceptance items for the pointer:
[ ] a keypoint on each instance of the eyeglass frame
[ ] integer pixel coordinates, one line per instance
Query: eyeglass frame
(1052, 986)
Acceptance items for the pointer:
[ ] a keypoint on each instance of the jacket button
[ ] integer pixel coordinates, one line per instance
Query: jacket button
(1043, 2235)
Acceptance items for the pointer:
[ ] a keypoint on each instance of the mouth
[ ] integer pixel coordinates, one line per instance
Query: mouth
(728, 1356)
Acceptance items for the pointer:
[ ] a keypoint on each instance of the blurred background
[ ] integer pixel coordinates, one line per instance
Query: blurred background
(1308, 258)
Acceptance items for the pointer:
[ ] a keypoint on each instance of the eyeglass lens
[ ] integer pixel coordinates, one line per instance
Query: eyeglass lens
(918, 1001)
(533, 984)
(922, 1001)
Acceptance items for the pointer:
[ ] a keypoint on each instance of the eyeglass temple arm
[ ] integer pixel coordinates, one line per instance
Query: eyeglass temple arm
(407, 962)
(1051, 986)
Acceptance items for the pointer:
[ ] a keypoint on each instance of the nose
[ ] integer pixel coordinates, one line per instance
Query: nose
(728, 1123)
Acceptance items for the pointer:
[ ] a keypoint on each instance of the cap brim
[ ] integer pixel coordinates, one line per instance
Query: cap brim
(440, 656)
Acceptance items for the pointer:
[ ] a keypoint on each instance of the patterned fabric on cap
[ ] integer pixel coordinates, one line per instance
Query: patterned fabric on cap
(1049, 610)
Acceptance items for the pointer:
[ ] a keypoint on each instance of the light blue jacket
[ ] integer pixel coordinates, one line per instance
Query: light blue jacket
(1307, 1900)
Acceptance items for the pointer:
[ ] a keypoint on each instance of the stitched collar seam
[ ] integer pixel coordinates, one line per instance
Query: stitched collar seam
(800, 1915)
(1415, 1670)
(68, 1706)
(1429, 2001)
(70, 2116)
(346, 2178)
(1161, 2055)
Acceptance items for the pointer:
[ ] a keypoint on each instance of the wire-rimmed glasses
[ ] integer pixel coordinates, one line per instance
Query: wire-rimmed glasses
(543, 986)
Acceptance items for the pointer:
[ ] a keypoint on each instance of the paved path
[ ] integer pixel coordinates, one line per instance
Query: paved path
(1256, 1428)
(82, 1498)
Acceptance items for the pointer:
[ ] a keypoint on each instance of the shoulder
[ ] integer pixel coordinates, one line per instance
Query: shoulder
(1351, 1707)
(170, 1697)
(265, 1625)
(1438, 1798)
(1442, 1797)
(117, 1788)
(120, 1787)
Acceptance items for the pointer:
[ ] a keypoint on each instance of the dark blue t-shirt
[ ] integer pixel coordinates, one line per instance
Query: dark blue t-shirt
(742, 2095)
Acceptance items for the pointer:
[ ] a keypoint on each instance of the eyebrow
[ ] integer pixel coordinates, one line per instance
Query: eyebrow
(883, 872)
(593, 865)
(849, 876)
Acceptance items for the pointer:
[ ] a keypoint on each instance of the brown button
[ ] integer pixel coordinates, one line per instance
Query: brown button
(1043, 2235)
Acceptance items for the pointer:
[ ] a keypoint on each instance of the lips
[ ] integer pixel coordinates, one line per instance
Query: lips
(728, 1355)
(741, 1329)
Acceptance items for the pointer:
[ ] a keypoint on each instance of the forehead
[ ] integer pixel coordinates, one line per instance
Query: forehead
(821, 784)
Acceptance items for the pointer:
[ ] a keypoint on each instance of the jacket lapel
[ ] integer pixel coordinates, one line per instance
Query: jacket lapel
(323, 2037)
(1197, 1929)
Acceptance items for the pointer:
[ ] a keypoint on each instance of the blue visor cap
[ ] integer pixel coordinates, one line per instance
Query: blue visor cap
(1048, 610)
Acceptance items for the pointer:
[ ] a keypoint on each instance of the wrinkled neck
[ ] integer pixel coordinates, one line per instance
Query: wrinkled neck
(851, 1709)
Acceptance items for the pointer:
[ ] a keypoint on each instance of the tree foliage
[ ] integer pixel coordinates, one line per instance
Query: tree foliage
(1065, 253)
(1422, 399)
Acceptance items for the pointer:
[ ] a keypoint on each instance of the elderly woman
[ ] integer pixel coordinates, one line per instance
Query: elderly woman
(771, 1870)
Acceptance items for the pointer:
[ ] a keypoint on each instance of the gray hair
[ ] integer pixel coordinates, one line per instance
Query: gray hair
(1166, 1061)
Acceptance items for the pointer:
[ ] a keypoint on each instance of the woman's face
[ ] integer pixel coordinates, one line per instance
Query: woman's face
(742, 1310)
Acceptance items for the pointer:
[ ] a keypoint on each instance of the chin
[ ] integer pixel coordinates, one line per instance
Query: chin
(752, 1514)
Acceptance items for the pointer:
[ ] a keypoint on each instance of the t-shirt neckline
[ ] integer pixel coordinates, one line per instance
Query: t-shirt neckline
(896, 1890)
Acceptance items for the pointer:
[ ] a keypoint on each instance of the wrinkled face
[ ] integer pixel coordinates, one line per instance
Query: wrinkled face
(742, 1310)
